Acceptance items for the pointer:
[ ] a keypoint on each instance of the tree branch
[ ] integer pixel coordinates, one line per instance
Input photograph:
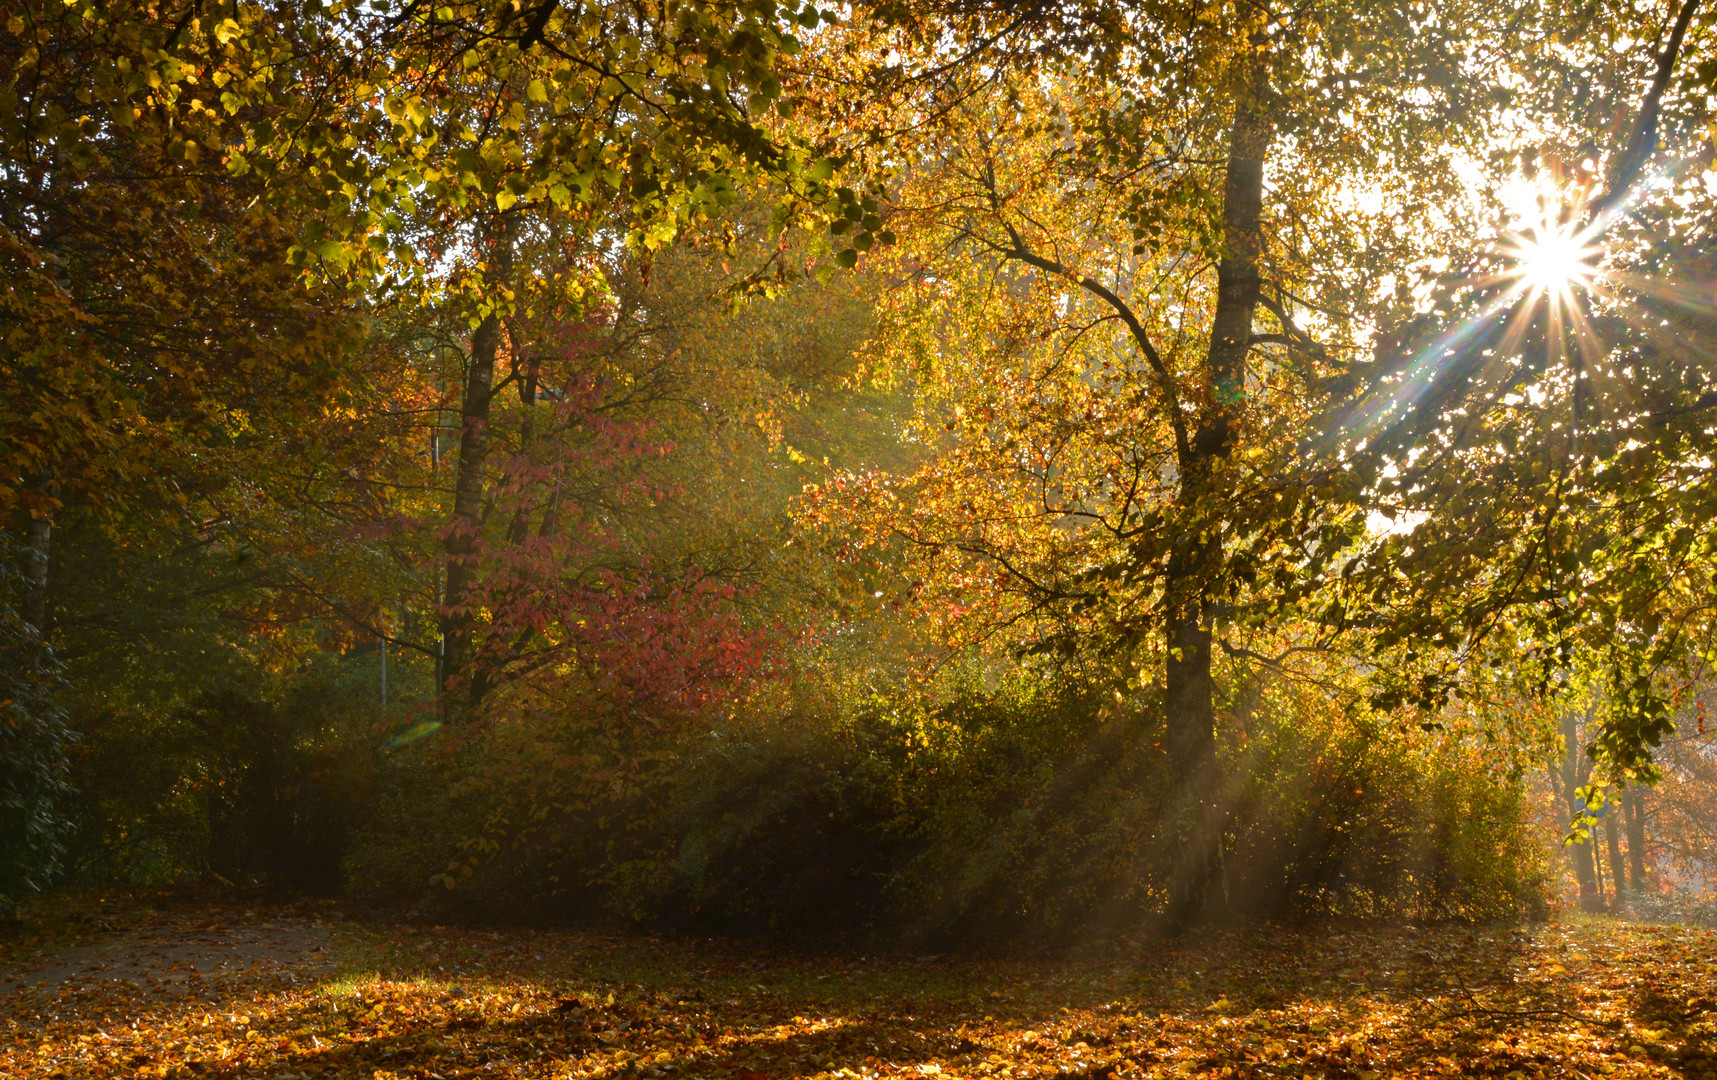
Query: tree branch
(1021, 253)
(1644, 139)
(533, 34)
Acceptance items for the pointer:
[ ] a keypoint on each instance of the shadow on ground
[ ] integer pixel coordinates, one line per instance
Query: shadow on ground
(292, 993)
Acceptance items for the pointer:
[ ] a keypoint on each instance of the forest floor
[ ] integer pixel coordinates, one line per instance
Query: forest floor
(302, 991)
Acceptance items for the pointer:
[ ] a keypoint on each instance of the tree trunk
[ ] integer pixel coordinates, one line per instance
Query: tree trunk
(459, 644)
(526, 370)
(38, 534)
(1239, 281)
(1633, 806)
(1597, 872)
(1580, 853)
(1612, 841)
(1586, 873)
(1189, 699)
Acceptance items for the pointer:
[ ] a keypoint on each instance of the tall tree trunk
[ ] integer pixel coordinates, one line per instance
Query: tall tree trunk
(1581, 853)
(1612, 841)
(1189, 698)
(38, 534)
(1190, 689)
(1633, 807)
(38, 537)
(1597, 872)
(526, 369)
(459, 644)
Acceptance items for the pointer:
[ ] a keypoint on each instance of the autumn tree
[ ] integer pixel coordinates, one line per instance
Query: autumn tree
(371, 147)
(147, 295)
(1677, 823)
(488, 137)
(1307, 341)
(1108, 271)
(34, 740)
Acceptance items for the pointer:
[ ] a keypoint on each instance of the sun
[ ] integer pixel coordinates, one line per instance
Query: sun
(1553, 272)
(1553, 259)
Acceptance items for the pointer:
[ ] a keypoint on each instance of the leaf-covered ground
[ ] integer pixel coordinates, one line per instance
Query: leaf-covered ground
(219, 992)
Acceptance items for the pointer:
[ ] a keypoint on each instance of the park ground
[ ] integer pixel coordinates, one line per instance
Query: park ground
(142, 988)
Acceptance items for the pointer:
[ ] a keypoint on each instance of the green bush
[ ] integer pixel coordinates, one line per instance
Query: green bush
(780, 829)
(253, 781)
(431, 812)
(34, 741)
(1336, 816)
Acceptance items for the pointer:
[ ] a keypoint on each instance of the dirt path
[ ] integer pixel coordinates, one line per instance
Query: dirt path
(187, 949)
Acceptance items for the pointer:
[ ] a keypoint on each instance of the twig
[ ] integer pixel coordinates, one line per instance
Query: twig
(1480, 1009)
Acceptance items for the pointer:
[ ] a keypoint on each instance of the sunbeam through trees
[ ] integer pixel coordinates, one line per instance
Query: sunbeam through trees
(909, 476)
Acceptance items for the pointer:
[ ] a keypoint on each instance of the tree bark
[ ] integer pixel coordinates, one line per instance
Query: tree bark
(1585, 872)
(1190, 700)
(1612, 841)
(1196, 564)
(1597, 872)
(460, 661)
(525, 369)
(38, 534)
(1633, 807)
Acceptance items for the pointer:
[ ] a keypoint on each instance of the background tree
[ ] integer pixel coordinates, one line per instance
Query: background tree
(147, 297)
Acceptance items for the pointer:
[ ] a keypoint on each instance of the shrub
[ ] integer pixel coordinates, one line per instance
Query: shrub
(34, 740)
(1030, 811)
(253, 781)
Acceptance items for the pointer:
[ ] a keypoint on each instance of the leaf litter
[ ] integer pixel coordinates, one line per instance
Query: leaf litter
(291, 994)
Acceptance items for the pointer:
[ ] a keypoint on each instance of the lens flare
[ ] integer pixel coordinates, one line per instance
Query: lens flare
(1553, 259)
